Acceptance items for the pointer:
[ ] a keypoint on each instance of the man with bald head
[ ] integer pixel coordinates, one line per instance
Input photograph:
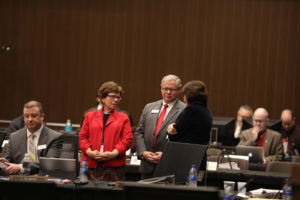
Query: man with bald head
(259, 135)
(291, 131)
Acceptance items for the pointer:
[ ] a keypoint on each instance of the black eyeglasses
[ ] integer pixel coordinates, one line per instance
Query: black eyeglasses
(169, 89)
(258, 121)
(115, 97)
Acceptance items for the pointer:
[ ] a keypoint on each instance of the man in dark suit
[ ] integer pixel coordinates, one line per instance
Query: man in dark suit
(16, 124)
(234, 128)
(151, 133)
(290, 132)
(35, 139)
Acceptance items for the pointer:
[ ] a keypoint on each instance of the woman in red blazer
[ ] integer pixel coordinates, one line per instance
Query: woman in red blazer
(105, 136)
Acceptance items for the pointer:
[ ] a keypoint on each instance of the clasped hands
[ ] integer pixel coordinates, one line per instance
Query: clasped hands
(102, 156)
(11, 168)
(151, 156)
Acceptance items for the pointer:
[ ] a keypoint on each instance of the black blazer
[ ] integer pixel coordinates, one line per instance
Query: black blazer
(193, 125)
(228, 137)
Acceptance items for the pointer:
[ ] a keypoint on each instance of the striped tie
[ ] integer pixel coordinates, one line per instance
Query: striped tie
(32, 149)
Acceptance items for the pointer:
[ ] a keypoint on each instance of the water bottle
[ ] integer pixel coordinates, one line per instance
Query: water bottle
(26, 164)
(68, 126)
(193, 177)
(83, 171)
(228, 190)
(287, 190)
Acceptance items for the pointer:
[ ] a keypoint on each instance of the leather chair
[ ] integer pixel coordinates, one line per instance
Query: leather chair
(295, 158)
(285, 167)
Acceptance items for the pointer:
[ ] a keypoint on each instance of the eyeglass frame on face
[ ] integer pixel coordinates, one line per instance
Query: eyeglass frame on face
(119, 98)
(260, 121)
(169, 89)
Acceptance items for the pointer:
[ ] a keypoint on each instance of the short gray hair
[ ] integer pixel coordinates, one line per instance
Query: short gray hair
(246, 107)
(171, 77)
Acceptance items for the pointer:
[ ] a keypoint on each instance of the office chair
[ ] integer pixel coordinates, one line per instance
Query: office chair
(70, 148)
(285, 167)
(296, 159)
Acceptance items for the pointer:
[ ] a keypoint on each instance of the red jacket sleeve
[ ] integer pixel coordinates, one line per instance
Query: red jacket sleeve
(126, 137)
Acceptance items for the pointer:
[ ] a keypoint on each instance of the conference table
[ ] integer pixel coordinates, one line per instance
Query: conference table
(36, 190)
(133, 190)
(257, 178)
(254, 179)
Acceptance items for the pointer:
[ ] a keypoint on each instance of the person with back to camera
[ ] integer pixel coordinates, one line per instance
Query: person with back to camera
(194, 124)
(105, 136)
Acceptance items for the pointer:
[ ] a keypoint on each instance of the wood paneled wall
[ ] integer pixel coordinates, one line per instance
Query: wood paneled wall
(246, 51)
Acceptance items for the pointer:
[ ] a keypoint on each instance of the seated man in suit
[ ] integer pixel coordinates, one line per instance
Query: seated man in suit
(35, 139)
(259, 135)
(234, 128)
(290, 131)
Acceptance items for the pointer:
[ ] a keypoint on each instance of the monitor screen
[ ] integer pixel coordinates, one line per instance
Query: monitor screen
(178, 158)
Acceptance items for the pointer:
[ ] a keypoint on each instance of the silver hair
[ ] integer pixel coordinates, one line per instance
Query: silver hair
(171, 77)
(246, 107)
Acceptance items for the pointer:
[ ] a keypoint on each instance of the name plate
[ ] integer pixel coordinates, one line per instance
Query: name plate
(27, 178)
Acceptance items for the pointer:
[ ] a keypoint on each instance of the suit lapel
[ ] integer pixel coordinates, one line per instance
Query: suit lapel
(43, 136)
(111, 118)
(154, 118)
(99, 118)
(267, 142)
(169, 116)
(23, 145)
(42, 141)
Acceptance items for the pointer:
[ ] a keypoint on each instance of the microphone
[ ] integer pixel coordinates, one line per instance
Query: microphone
(247, 183)
(5, 48)
(221, 156)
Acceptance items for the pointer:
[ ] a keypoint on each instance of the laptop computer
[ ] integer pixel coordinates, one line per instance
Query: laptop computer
(256, 154)
(178, 158)
(63, 168)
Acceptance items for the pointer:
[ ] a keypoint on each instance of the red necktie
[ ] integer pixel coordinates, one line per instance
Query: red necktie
(160, 121)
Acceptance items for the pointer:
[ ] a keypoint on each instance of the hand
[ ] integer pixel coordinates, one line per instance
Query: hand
(107, 155)
(150, 156)
(171, 130)
(265, 161)
(158, 155)
(3, 160)
(3, 163)
(255, 132)
(12, 168)
(93, 154)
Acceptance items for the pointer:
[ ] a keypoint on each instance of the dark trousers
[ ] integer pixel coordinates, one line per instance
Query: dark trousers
(102, 173)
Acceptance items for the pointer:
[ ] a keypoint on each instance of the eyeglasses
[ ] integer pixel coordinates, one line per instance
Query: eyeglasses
(115, 97)
(169, 89)
(258, 121)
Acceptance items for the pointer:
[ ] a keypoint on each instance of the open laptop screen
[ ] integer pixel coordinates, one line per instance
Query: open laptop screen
(178, 158)
(58, 167)
(256, 154)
